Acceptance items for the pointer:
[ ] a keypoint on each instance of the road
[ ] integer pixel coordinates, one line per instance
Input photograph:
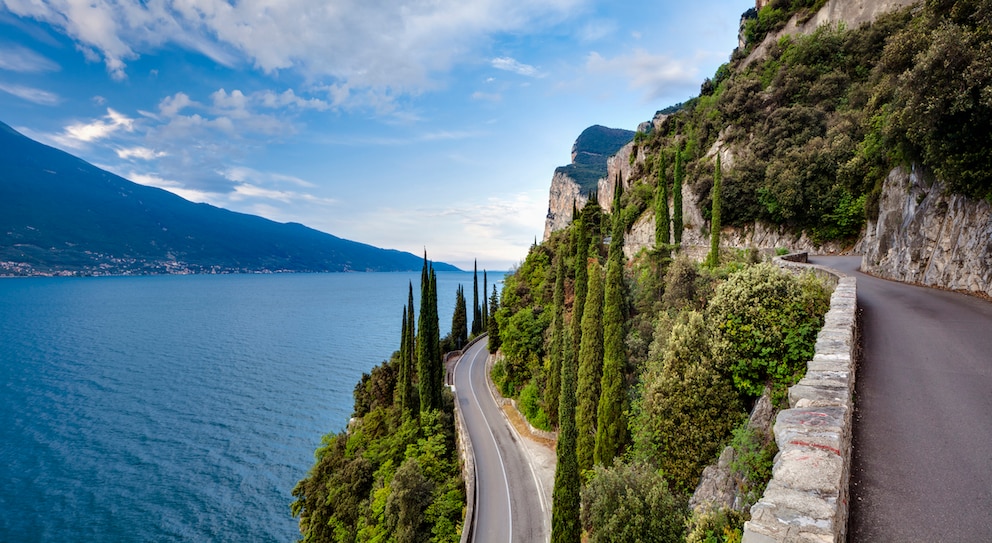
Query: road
(922, 463)
(510, 505)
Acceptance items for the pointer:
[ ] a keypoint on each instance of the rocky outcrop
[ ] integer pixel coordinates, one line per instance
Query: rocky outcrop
(925, 235)
(565, 194)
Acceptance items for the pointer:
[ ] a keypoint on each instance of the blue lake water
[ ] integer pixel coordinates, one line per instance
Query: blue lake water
(181, 408)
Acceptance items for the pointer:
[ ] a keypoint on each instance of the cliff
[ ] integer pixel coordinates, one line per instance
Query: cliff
(572, 184)
(924, 234)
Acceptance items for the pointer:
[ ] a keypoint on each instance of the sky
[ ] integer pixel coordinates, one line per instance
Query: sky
(407, 124)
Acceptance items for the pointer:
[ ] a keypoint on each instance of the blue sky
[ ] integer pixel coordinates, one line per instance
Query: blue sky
(406, 124)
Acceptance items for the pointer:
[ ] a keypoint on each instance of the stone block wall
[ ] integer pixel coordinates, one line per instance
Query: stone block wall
(807, 497)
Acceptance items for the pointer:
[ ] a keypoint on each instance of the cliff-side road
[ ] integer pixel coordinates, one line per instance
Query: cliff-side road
(922, 461)
(510, 506)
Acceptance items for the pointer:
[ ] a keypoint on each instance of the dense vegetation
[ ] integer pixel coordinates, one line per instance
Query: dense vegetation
(394, 475)
(815, 126)
(669, 356)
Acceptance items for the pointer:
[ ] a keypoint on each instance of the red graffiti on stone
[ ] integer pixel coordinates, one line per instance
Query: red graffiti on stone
(816, 446)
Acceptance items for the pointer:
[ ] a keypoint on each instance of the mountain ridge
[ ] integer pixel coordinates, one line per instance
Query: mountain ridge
(60, 215)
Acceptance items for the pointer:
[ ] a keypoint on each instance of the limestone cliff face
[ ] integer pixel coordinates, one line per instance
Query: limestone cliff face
(564, 192)
(924, 235)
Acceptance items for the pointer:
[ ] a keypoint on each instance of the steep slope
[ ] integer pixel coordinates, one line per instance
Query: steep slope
(60, 214)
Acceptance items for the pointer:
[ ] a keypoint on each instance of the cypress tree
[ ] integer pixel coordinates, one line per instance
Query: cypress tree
(476, 310)
(407, 392)
(459, 320)
(485, 306)
(713, 260)
(493, 329)
(581, 285)
(610, 421)
(430, 367)
(677, 198)
(557, 342)
(565, 526)
(590, 369)
(662, 233)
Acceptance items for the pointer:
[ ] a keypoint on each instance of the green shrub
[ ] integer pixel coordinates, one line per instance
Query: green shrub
(764, 324)
(752, 464)
(631, 503)
(530, 406)
(716, 526)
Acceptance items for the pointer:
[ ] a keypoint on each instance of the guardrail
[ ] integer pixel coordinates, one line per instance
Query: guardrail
(807, 497)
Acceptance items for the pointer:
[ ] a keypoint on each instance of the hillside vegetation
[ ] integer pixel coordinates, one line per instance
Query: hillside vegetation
(814, 127)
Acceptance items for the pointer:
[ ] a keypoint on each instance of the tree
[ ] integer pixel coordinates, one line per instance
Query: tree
(485, 306)
(430, 366)
(476, 310)
(557, 353)
(459, 319)
(677, 198)
(579, 243)
(590, 368)
(404, 388)
(565, 527)
(493, 328)
(662, 233)
(409, 496)
(713, 260)
(610, 420)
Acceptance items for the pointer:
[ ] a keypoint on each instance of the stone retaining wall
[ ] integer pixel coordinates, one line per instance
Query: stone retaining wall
(807, 497)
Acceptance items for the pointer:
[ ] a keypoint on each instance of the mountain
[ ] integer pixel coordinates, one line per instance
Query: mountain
(590, 152)
(62, 215)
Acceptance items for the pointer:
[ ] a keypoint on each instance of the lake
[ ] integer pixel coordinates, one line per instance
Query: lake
(182, 408)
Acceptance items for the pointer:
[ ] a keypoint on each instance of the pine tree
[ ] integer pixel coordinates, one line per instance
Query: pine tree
(430, 367)
(677, 198)
(610, 420)
(713, 260)
(493, 329)
(476, 310)
(459, 320)
(565, 526)
(590, 368)
(557, 342)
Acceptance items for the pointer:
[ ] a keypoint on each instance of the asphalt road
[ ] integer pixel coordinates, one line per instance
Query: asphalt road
(509, 506)
(922, 463)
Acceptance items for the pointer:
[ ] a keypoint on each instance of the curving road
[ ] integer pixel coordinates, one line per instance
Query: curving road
(922, 464)
(510, 504)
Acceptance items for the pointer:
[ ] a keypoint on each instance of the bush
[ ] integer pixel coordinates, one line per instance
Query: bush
(531, 408)
(764, 324)
(631, 502)
(752, 464)
(716, 526)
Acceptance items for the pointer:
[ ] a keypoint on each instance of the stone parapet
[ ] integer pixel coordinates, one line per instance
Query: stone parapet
(807, 497)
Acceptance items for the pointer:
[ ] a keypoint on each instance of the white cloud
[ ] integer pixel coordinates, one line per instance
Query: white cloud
(512, 65)
(99, 129)
(171, 105)
(388, 48)
(143, 153)
(31, 94)
(21, 59)
(655, 75)
(175, 187)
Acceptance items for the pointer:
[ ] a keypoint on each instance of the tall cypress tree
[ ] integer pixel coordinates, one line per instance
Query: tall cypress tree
(459, 319)
(662, 233)
(557, 341)
(485, 306)
(713, 260)
(476, 310)
(590, 368)
(610, 421)
(677, 198)
(565, 526)
(407, 392)
(493, 328)
(430, 367)
(581, 284)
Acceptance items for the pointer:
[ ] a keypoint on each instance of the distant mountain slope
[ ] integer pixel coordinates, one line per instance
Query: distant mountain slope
(589, 154)
(60, 214)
